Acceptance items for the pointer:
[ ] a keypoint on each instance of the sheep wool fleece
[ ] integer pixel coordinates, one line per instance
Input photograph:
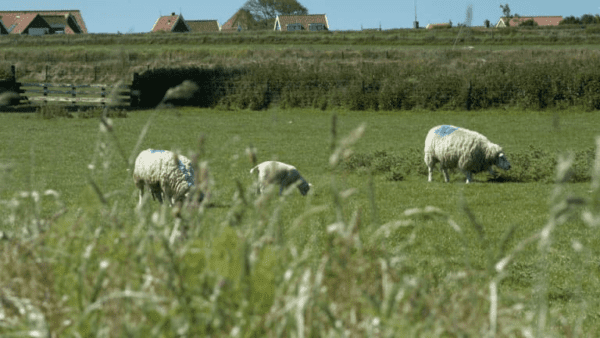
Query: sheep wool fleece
(171, 173)
(455, 147)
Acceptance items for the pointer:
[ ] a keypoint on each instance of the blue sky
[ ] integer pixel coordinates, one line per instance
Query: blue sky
(110, 16)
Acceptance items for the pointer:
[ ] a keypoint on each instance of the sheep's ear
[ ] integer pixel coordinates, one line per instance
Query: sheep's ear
(493, 152)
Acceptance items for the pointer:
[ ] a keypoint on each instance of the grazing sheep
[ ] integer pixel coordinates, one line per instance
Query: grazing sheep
(273, 172)
(165, 173)
(461, 148)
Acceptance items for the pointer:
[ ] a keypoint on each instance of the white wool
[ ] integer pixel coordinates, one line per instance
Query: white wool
(273, 172)
(467, 150)
(163, 172)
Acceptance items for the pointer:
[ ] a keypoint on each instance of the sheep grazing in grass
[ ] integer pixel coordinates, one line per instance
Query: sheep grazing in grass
(165, 173)
(273, 172)
(464, 149)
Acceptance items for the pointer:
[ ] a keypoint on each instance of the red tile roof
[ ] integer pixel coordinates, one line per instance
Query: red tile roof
(170, 23)
(18, 23)
(240, 18)
(203, 25)
(540, 20)
(304, 20)
(73, 14)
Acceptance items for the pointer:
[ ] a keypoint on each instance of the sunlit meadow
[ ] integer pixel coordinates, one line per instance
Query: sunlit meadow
(372, 250)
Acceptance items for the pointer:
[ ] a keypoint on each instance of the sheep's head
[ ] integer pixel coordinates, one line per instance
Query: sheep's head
(304, 187)
(495, 155)
(502, 162)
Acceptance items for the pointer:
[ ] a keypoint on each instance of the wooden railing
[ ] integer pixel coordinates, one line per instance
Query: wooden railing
(74, 94)
(77, 94)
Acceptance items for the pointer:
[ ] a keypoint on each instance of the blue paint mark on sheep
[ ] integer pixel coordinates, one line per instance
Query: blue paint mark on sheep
(157, 151)
(187, 173)
(445, 130)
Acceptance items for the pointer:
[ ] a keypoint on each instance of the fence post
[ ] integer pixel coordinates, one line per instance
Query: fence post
(134, 93)
(73, 93)
(46, 72)
(13, 69)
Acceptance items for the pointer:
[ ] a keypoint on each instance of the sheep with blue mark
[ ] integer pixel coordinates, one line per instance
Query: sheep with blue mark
(165, 173)
(282, 174)
(467, 150)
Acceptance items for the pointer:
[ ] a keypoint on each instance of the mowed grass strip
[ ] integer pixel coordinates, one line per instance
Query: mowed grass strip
(63, 154)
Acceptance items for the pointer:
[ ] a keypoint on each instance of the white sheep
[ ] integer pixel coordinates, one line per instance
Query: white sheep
(165, 173)
(273, 172)
(461, 148)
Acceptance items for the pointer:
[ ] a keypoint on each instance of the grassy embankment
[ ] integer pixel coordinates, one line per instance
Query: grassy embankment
(107, 58)
(333, 70)
(353, 258)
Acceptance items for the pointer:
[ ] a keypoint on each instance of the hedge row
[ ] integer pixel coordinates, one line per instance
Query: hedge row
(555, 83)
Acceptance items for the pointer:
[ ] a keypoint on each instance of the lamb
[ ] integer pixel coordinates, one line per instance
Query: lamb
(273, 172)
(165, 173)
(464, 149)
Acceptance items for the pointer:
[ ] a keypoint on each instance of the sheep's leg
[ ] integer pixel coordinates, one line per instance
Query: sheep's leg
(468, 174)
(430, 176)
(446, 176)
(141, 194)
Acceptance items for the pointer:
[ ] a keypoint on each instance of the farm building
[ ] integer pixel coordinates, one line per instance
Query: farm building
(171, 23)
(314, 22)
(239, 21)
(540, 20)
(203, 25)
(43, 22)
(438, 25)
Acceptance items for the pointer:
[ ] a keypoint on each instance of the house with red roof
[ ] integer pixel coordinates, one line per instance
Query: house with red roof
(540, 20)
(171, 23)
(203, 26)
(26, 24)
(241, 20)
(310, 22)
(43, 22)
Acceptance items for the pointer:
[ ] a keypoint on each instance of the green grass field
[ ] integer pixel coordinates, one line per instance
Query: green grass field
(361, 255)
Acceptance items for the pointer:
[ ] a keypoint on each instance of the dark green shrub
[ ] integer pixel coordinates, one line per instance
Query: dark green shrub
(528, 23)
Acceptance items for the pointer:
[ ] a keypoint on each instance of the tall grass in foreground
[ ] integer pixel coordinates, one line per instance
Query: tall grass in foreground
(105, 269)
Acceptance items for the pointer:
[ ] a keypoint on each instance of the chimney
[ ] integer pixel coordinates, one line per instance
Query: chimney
(173, 14)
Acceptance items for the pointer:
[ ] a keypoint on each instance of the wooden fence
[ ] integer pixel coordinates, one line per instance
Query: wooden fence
(96, 94)
(75, 94)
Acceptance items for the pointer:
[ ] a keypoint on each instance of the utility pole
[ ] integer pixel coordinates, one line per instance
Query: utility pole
(415, 23)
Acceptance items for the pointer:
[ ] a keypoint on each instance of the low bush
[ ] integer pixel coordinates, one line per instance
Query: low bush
(533, 165)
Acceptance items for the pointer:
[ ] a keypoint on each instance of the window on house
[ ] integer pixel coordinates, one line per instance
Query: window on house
(316, 27)
(294, 27)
